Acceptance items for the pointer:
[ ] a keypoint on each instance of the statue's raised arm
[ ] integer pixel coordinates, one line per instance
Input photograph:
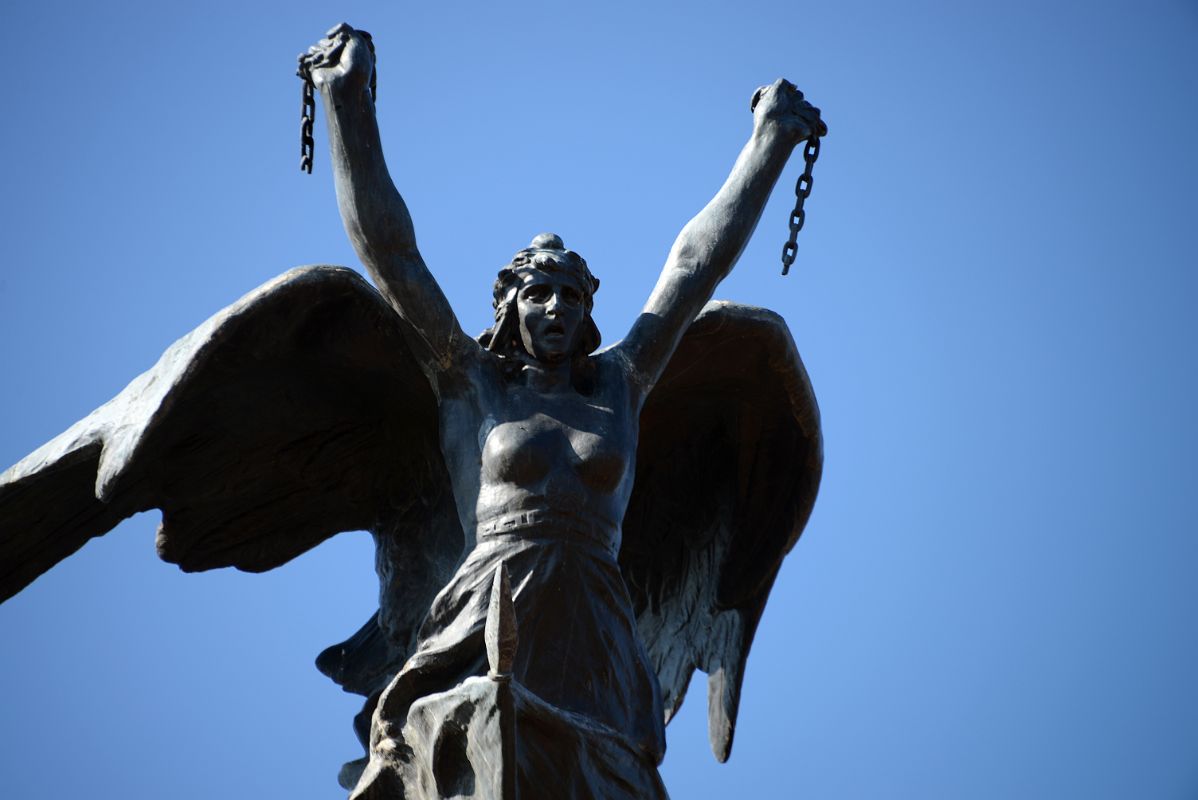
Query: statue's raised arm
(709, 245)
(375, 215)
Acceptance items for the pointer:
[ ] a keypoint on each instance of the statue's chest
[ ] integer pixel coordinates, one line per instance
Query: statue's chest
(557, 439)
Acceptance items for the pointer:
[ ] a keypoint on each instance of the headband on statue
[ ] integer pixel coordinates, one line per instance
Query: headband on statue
(546, 253)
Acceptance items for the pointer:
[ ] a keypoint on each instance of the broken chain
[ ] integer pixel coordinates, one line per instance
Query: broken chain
(308, 107)
(802, 191)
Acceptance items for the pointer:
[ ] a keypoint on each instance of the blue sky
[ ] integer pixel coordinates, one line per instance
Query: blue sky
(994, 296)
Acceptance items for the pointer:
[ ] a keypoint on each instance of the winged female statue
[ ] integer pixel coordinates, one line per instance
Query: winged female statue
(640, 497)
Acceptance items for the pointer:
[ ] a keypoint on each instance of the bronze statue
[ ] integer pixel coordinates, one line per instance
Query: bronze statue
(640, 497)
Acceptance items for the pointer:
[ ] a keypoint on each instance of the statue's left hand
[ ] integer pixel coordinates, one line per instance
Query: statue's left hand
(781, 105)
(342, 60)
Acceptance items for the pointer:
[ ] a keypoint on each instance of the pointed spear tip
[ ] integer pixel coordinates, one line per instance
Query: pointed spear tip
(500, 632)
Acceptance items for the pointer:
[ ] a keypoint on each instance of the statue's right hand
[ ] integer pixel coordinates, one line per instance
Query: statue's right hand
(342, 60)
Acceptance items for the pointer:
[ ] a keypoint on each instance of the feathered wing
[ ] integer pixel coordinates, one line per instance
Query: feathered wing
(294, 414)
(727, 470)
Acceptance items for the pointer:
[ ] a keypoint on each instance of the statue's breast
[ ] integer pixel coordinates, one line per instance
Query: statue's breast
(542, 450)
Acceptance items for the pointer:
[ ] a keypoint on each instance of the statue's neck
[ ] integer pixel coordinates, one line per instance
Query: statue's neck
(547, 378)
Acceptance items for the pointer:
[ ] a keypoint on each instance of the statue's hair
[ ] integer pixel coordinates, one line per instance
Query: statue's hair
(546, 253)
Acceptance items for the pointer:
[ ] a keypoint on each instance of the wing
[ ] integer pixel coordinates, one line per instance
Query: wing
(727, 470)
(293, 414)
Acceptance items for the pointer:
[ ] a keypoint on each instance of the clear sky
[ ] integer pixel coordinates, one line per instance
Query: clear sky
(996, 595)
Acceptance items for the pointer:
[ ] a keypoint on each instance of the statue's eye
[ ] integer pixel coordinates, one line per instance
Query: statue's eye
(572, 296)
(536, 294)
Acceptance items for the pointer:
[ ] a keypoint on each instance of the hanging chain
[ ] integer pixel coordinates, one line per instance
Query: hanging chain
(308, 108)
(802, 191)
(307, 117)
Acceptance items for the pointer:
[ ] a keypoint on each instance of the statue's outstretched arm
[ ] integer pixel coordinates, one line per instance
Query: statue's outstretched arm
(709, 245)
(375, 215)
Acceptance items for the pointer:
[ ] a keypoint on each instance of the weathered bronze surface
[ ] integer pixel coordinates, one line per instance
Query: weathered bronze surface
(564, 533)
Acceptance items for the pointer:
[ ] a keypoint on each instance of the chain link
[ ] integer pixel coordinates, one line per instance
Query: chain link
(308, 108)
(802, 192)
(307, 117)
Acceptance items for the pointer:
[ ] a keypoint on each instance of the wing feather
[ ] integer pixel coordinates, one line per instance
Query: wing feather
(296, 413)
(728, 466)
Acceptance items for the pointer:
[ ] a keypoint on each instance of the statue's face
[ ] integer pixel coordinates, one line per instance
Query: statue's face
(551, 308)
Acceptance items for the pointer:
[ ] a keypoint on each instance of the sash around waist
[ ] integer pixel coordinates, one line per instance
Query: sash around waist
(552, 524)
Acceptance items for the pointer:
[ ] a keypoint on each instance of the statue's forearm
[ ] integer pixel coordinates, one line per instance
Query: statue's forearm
(705, 251)
(375, 215)
(713, 240)
(380, 227)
